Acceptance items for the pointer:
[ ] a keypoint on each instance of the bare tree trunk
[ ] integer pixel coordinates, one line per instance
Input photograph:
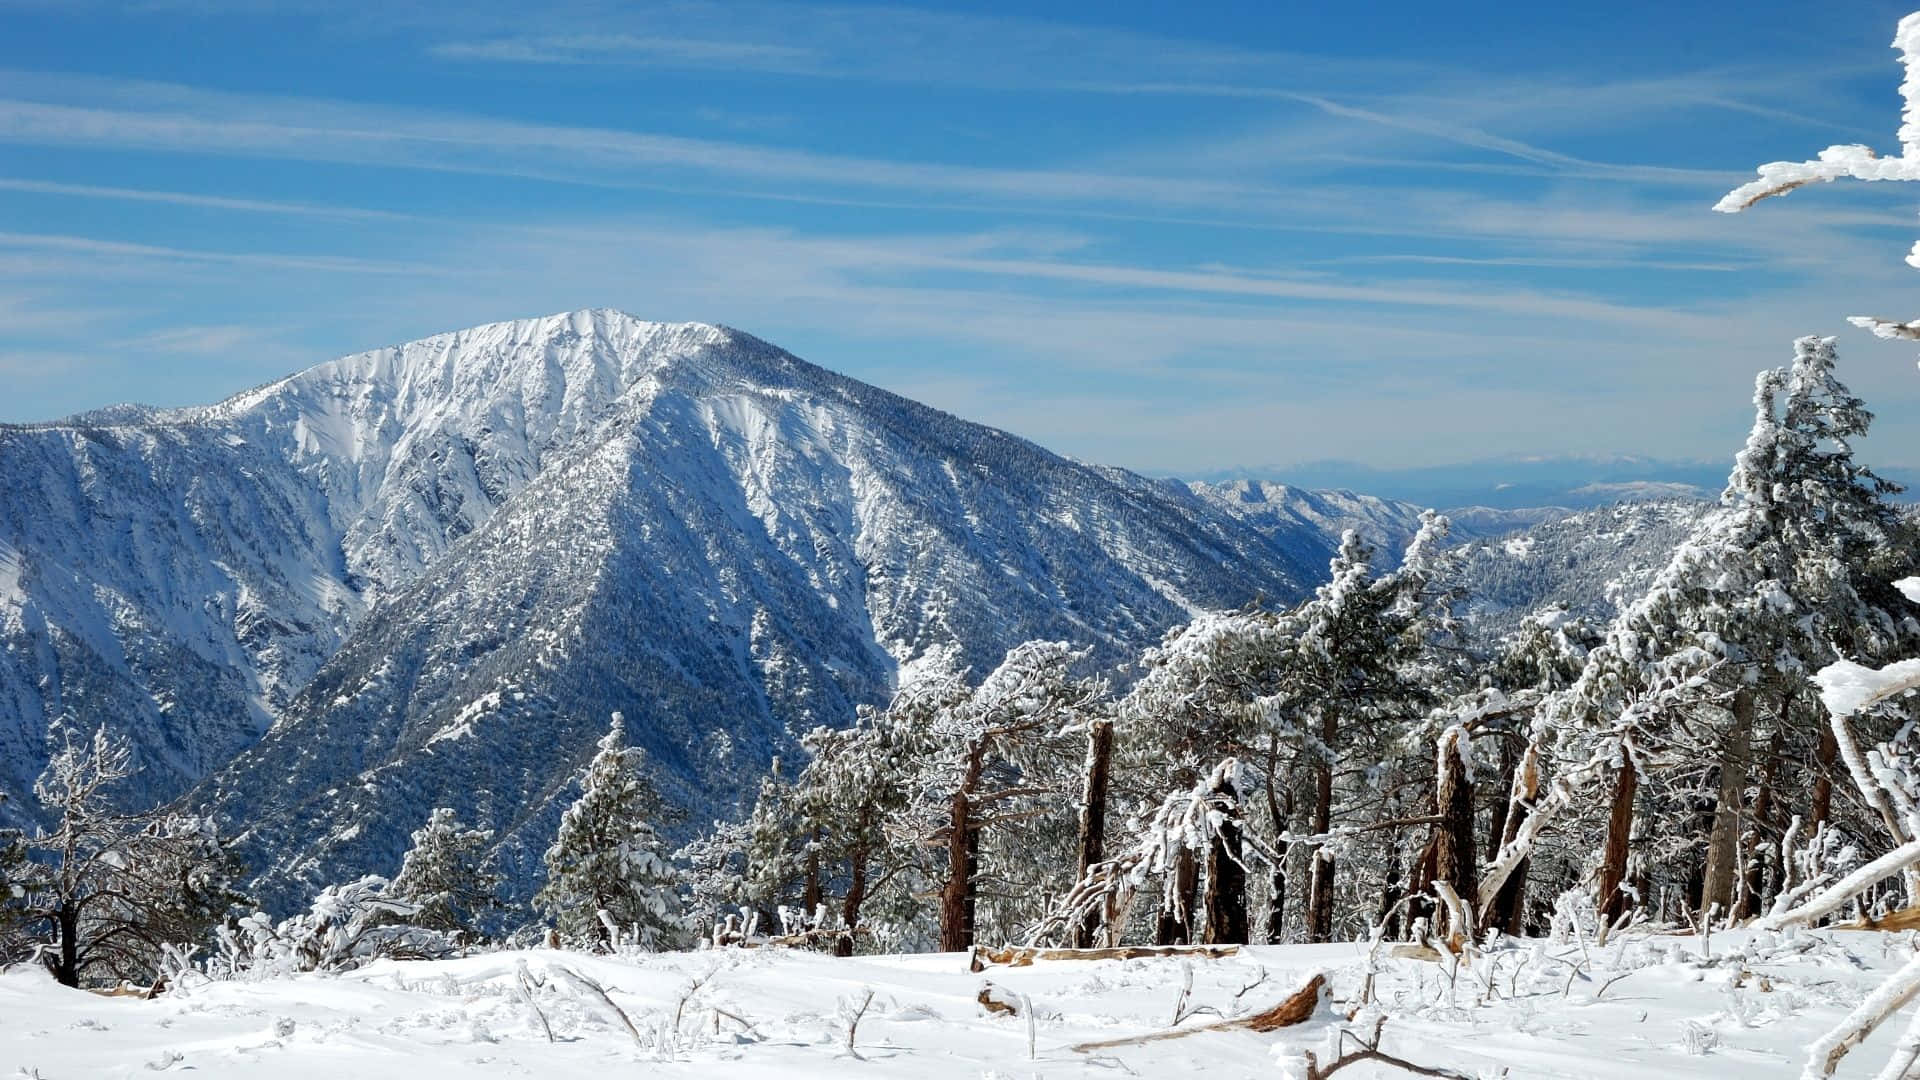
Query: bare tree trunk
(1724, 840)
(1825, 755)
(810, 893)
(1320, 880)
(66, 970)
(1497, 814)
(1226, 898)
(1282, 816)
(1453, 800)
(1390, 893)
(1509, 911)
(1176, 913)
(1760, 852)
(1277, 905)
(1613, 862)
(856, 893)
(957, 895)
(1093, 823)
(1421, 901)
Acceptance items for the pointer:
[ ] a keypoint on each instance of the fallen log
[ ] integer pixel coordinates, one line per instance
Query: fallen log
(1018, 956)
(1297, 1008)
(1907, 918)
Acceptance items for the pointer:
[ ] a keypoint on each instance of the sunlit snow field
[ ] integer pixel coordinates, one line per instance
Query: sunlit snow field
(1643, 1007)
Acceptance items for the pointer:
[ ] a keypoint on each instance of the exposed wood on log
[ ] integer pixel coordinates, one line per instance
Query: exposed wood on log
(1297, 1008)
(1016, 956)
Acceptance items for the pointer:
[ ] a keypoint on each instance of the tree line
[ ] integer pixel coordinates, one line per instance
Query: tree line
(1362, 763)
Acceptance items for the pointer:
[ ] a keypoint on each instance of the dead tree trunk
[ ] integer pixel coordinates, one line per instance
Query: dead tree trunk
(1723, 841)
(1453, 836)
(1277, 906)
(1391, 891)
(1509, 911)
(1613, 862)
(1497, 814)
(1176, 912)
(1093, 824)
(1421, 902)
(1226, 898)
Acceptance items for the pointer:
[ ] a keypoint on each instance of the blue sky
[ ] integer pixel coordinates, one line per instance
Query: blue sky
(1172, 237)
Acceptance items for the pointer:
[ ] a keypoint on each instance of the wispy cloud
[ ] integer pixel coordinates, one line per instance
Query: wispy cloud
(325, 131)
(210, 202)
(118, 249)
(197, 339)
(631, 48)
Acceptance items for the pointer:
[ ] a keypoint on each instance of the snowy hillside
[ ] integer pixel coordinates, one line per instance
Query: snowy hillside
(1591, 562)
(437, 567)
(1313, 521)
(1642, 1006)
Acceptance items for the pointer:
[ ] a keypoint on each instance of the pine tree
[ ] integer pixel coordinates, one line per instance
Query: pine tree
(1356, 678)
(607, 871)
(1006, 754)
(1789, 567)
(444, 875)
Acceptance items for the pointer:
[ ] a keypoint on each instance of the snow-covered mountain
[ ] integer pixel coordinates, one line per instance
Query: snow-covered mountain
(434, 569)
(1591, 562)
(1311, 522)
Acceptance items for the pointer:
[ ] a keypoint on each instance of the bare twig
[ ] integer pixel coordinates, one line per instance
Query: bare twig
(1369, 1050)
(525, 984)
(599, 993)
(853, 1016)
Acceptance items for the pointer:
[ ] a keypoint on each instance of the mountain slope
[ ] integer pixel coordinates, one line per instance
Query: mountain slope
(1309, 523)
(179, 574)
(1590, 562)
(437, 567)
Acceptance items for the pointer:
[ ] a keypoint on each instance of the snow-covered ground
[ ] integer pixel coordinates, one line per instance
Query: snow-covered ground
(1534, 1009)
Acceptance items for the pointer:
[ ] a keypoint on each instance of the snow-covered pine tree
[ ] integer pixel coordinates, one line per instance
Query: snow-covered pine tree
(1789, 566)
(1197, 705)
(1008, 753)
(1358, 678)
(445, 876)
(857, 782)
(607, 871)
(1296, 697)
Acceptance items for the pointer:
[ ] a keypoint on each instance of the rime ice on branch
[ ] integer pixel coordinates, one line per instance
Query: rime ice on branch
(1856, 162)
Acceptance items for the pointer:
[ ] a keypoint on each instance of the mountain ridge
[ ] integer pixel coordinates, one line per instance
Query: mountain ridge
(308, 601)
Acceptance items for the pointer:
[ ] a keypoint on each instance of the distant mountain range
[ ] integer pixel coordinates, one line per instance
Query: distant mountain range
(1508, 483)
(423, 576)
(1296, 516)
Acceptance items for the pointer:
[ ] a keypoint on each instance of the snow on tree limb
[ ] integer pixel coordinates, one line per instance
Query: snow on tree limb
(1850, 160)
(1888, 328)
(1856, 162)
(1835, 896)
(1823, 1057)
(1847, 688)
